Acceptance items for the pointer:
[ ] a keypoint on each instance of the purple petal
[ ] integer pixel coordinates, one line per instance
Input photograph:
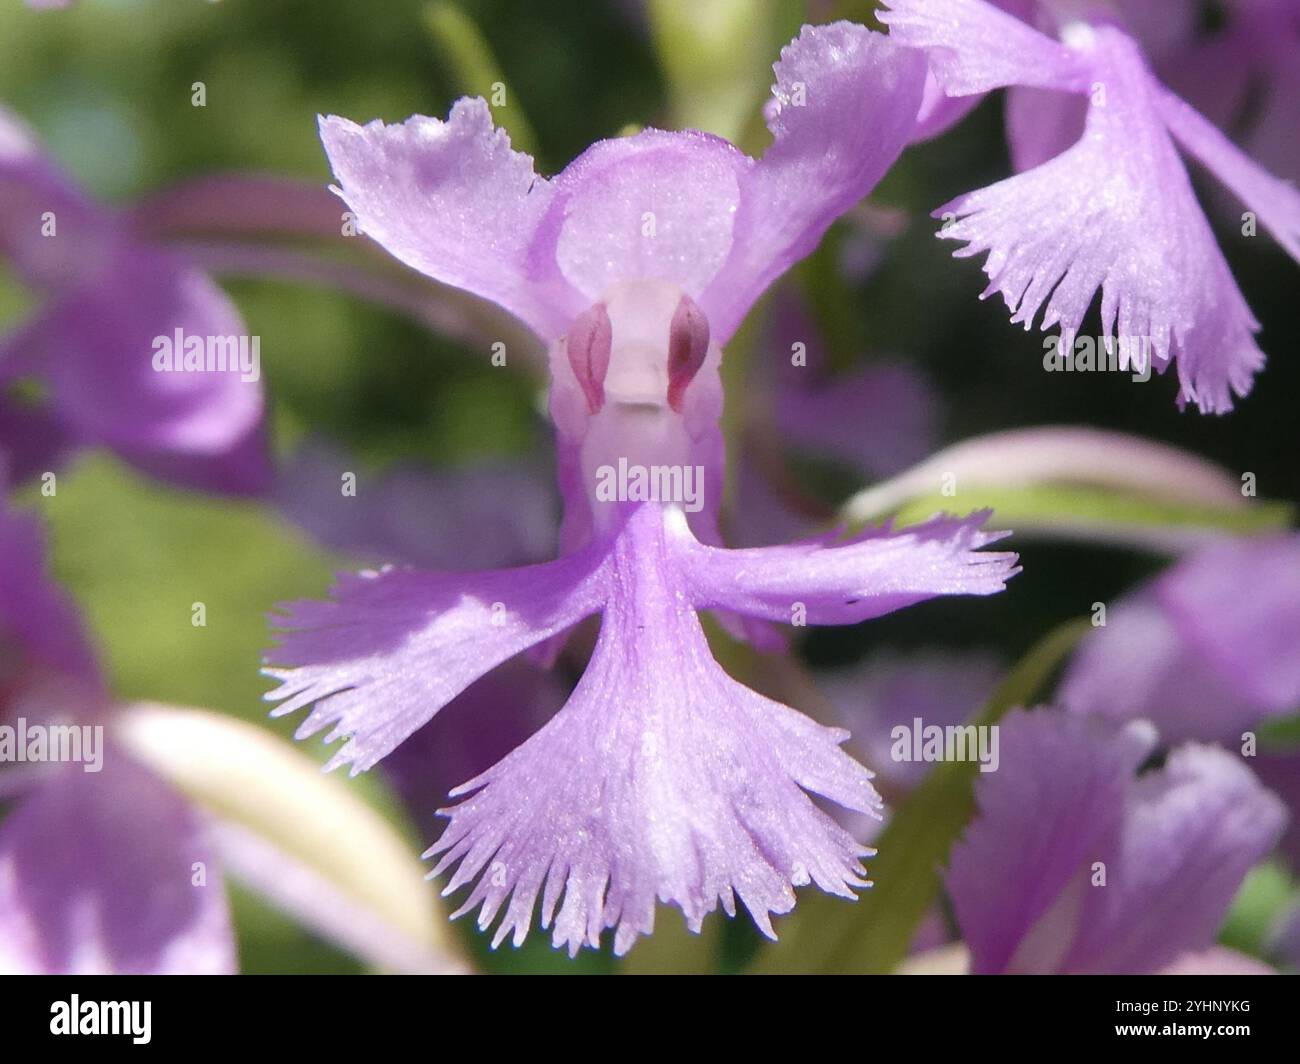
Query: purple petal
(974, 47)
(1140, 667)
(115, 891)
(1117, 212)
(1041, 124)
(31, 185)
(939, 112)
(39, 621)
(661, 779)
(111, 295)
(1276, 202)
(654, 205)
(1204, 652)
(104, 380)
(1237, 604)
(452, 200)
(1190, 833)
(872, 574)
(848, 99)
(1044, 816)
(397, 645)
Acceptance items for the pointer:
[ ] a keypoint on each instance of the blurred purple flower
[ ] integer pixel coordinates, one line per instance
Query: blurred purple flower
(891, 690)
(107, 294)
(1245, 76)
(1077, 864)
(473, 517)
(1205, 651)
(661, 778)
(96, 867)
(98, 876)
(1106, 202)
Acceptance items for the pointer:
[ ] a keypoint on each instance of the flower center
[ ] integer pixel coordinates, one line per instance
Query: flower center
(635, 357)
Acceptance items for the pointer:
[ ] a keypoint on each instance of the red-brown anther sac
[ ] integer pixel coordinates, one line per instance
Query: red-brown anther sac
(588, 347)
(688, 343)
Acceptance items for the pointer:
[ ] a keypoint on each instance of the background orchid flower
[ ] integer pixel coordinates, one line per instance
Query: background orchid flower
(1204, 651)
(1078, 864)
(1113, 211)
(96, 867)
(106, 292)
(661, 778)
(1244, 75)
(117, 864)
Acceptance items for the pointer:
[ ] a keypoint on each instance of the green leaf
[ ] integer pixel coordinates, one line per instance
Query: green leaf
(1067, 482)
(1078, 512)
(827, 934)
(1265, 895)
(245, 776)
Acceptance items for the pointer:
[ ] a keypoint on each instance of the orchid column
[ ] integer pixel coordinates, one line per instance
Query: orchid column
(661, 778)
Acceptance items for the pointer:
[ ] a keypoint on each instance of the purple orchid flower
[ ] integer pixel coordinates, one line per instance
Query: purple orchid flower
(106, 867)
(481, 516)
(1077, 864)
(109, 293)
(1205, 650)
(116, 893)
(1106, 203)
(661, 779)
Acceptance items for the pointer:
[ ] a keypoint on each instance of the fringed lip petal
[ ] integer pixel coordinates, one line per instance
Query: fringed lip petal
(661, 778)
(1116, 212)
(689, 790)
